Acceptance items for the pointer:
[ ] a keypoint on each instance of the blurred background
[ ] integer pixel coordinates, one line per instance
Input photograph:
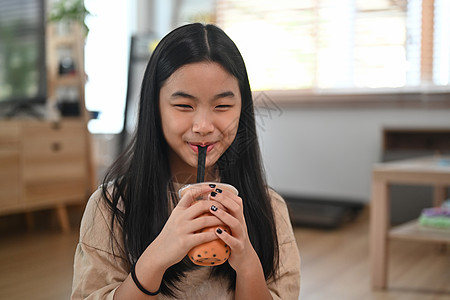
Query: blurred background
(339, 86)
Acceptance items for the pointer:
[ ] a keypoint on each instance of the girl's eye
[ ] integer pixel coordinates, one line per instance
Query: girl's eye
(184, 106)
(223, 107)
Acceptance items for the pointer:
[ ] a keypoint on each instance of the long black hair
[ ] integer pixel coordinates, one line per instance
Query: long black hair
(141, 176)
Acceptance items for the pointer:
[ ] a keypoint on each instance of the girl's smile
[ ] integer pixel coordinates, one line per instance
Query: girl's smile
(194, 146)
(200, 105)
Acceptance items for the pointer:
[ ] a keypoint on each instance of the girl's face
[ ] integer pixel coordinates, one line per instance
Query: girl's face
(200, 104)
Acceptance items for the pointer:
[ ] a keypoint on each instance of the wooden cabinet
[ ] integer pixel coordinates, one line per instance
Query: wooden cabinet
(44, 165)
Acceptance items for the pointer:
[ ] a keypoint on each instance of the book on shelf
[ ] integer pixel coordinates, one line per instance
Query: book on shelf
(436, 217)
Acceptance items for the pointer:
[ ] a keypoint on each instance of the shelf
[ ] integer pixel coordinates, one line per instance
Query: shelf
(413, 231)
(67, 41)
(68, 80)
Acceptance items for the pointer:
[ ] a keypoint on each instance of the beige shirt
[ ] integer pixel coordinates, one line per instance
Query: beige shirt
(98, 272)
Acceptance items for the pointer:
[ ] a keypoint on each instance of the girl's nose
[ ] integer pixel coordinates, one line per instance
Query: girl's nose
(203, 124)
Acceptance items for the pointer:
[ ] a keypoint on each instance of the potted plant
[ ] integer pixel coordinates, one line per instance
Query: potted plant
(66, 12)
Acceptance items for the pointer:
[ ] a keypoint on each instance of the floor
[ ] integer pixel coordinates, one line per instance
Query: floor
(37, 264)
(335, 265)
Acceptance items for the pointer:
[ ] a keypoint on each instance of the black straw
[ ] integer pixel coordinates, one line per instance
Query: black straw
(201, 163)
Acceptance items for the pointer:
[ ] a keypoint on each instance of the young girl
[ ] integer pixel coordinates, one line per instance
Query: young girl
(136, 232)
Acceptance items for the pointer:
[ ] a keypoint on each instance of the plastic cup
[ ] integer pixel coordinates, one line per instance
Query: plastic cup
(215, 252)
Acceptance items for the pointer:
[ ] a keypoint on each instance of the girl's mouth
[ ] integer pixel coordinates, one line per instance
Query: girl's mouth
(194, 146)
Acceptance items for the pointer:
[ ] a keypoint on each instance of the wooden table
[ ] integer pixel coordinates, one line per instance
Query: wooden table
(434, 171)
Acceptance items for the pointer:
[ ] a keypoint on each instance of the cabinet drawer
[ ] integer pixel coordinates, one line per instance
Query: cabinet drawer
(9, 178)
(9, 164)
(9, 135)
(54, 152)
(47, 141)
(55, 161)
(55, 190)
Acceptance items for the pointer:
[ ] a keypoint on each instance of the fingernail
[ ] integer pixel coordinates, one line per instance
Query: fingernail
(214, 208)
(212, 185)
(219, 190)
(219, 231)
(213, 194)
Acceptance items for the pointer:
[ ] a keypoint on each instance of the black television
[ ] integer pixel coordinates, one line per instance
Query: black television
(23, 80)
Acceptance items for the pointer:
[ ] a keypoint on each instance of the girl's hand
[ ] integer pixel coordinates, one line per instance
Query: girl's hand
(242, 252)
(179, 233)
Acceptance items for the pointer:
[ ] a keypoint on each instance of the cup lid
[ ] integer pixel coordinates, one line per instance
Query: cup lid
(221, 185)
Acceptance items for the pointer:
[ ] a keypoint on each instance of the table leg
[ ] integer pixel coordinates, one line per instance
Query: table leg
(29, 218)
(379, 216)
(439, 194)
(63, 218)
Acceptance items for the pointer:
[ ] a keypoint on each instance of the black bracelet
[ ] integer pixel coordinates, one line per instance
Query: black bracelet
(138, 284)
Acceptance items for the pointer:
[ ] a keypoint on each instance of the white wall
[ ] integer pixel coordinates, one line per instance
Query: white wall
(330, 152)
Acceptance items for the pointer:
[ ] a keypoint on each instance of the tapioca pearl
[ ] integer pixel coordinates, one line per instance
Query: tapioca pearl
(214, 255)
(199, 255)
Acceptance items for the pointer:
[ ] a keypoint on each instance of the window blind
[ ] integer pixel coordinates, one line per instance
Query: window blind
(340, 44)
(22, 48)
(441, 50)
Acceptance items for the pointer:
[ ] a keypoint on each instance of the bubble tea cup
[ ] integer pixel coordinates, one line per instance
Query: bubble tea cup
(215, 252)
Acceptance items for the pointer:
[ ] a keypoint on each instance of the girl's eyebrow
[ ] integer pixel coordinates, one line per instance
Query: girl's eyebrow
(226, 94)
(182, 94)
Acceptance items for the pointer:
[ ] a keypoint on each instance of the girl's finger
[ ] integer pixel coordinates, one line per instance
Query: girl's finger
(226, 238)
(236, 227)
(234, 206)
(201, 207)
(201, 238)
(230, 195)
(191, 193)
(204, 222)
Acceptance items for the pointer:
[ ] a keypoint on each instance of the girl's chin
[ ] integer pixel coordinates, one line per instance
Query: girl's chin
(209, 162)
